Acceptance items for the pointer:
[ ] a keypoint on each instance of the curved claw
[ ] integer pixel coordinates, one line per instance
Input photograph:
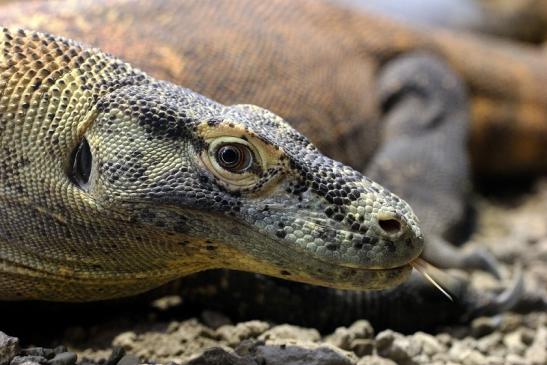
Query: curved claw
(483, 260)
(504, 301)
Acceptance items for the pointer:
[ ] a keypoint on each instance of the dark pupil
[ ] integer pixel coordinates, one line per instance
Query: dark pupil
(229, 156)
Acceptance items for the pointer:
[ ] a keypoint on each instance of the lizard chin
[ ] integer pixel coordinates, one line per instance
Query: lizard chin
(341, 277)
(311, 269)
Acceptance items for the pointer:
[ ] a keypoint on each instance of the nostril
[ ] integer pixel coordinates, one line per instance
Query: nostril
(390, 226)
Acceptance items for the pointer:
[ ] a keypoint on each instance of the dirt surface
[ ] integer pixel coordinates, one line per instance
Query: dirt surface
(514, 229)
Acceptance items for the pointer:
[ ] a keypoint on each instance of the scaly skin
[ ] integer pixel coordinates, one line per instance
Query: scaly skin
(316, 65)
(157, 203)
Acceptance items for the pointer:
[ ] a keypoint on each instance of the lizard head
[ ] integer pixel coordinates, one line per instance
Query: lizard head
(236, 187)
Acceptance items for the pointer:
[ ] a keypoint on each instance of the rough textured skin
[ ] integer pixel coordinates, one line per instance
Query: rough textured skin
(316, 65)
(157, 205)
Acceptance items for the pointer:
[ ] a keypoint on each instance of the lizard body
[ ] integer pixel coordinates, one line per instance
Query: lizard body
(113, 183)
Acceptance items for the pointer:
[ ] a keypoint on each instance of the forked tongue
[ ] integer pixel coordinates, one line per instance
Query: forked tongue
(430, 272)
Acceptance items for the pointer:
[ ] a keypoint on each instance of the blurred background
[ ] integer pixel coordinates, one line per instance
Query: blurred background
(317, 66)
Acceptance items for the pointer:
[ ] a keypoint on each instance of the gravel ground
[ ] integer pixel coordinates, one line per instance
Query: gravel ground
(514, 229)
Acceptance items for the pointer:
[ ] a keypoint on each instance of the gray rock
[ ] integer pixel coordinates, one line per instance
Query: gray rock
(218, 356)
(9, 347)
(273, 355)
(296, 355)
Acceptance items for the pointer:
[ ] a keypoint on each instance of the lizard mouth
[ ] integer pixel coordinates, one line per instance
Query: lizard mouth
(396, 275)
(346, 277)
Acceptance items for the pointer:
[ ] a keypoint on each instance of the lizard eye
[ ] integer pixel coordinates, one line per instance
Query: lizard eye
(234, 161)
(81, 164)
(234, 157)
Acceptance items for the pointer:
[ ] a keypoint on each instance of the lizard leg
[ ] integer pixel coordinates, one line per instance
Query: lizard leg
(424, 156)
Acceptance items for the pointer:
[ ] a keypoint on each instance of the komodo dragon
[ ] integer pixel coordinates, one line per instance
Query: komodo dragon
(113, 183)
(344, 114)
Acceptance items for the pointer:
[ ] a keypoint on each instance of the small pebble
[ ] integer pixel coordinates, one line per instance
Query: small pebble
(290, 332)
(396, 347)
(343, 336)
(362, 346)
(428, 343)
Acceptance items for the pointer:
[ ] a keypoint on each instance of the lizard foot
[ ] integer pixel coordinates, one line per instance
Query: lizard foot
(488, 304)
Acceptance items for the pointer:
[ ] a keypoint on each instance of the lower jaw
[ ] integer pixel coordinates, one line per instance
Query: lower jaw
(354, 279)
